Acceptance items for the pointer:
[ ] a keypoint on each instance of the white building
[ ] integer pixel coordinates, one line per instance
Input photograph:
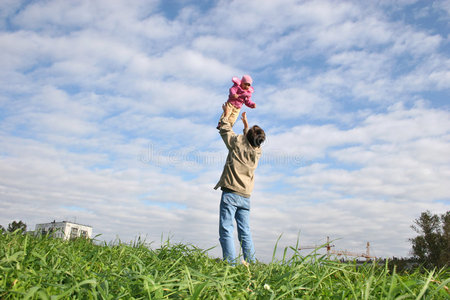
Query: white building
(65, 230)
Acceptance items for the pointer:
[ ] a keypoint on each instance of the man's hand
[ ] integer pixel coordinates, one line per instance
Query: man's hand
(244, 120)
(226, 110)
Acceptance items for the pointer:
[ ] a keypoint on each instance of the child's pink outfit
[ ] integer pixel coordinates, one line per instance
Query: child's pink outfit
(244, 97)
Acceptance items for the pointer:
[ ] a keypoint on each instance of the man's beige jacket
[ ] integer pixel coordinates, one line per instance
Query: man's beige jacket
(238, 174)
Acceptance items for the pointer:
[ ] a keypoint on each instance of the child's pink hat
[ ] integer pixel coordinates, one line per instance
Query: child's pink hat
(247, 79)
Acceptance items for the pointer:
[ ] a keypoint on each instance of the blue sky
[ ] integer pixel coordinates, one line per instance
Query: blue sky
(108, 112)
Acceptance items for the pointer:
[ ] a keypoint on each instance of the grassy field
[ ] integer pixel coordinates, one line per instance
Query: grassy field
(47, 268)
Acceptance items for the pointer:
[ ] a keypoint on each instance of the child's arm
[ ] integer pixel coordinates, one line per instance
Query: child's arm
(233, 91)
(249, 102)
(248, 99)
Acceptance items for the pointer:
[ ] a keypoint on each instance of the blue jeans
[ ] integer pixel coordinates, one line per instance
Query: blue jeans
(233, 206)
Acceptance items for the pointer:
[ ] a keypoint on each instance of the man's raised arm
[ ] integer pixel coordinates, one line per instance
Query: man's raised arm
(245, 122)
(226, 129)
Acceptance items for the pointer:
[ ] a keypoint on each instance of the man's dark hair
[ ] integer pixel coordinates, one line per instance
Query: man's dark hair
(256, 136)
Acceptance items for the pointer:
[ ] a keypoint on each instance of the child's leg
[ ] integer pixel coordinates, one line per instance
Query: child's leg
(234, 113)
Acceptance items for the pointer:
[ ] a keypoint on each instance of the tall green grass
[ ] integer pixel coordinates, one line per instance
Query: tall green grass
(46, 268)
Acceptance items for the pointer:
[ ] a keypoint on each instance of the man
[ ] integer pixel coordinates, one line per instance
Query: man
(236, 183)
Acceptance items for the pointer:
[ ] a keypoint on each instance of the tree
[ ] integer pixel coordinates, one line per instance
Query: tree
(2, 229)
(431, 246)
(17, 225)
(445, 255)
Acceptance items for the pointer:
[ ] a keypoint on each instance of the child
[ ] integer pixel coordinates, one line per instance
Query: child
(240, 93)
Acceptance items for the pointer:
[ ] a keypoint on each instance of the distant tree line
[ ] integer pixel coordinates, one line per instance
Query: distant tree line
(432, 246)
(430, 249)
(13, 226)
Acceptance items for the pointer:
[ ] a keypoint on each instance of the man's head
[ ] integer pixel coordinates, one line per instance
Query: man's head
(256, 136)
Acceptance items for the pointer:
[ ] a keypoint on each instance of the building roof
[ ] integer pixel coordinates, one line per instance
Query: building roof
(67, 222)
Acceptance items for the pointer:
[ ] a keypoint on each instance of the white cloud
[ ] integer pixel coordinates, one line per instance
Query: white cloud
(444, 5)
(308, 141)
(224, 48)
(400, 124)
(183, 63)
(413, 42)
(57, 16)
(294, 102)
